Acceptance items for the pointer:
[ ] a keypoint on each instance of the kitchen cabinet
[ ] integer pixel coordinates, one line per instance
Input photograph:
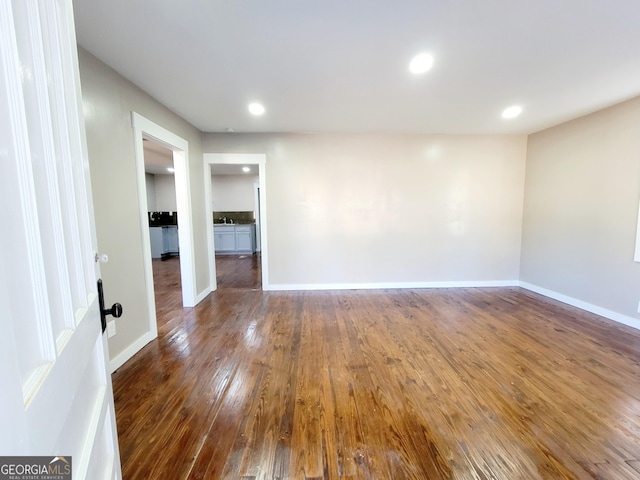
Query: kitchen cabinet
(157, 246)
(164, 241)
(170, 240)
(224, 238)
(234, 239)
(245, 238)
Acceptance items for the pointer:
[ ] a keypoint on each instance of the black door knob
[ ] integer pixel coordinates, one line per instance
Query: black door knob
(115, 310)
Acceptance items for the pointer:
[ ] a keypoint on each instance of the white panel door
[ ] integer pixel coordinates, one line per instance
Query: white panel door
(56, 395)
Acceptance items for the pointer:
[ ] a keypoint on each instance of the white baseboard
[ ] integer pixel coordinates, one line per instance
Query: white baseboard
(202, 295)
(130, 351)
(603, 312)
(392, 285)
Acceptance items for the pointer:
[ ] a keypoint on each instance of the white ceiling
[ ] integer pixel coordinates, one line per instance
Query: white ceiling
(157, 158)
(341, 66)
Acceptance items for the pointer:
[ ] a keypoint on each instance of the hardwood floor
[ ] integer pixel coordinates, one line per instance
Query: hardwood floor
(400, 384)
(238, 271)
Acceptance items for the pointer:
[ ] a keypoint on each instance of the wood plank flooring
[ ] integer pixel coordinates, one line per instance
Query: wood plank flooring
(399, 384)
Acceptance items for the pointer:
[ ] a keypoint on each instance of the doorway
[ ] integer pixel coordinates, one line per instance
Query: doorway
(255, 264)
(163, 222)
(236, 221)
(146, 129)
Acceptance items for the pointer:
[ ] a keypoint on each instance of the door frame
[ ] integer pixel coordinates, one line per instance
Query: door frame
(145, 128)
(256, 202)
(259, 159)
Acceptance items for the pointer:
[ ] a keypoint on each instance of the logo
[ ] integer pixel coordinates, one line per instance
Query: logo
(35, 468)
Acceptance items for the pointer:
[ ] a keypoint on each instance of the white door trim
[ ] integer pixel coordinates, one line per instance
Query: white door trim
(143, 127)
(259, 159)
(636, 256)
(256, 202)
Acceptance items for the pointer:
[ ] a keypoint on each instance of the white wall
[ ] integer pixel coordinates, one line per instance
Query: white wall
(367, 209)
(581, 209)
(166, 193)
(233, 193)
(108, 100)
(150, 182)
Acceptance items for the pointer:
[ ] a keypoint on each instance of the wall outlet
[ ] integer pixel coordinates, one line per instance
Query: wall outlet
(638, 307)
(111, 328)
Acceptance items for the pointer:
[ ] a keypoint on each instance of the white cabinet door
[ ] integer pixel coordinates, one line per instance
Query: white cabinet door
(217, 240)
(227, 241)
(244, 241)
(224, 238)
(56, 395)
(246, 238)
(170, 239)
(156, 238)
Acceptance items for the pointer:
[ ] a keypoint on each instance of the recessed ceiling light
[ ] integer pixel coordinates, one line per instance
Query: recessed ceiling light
(421, 63)
(256, 108)
(170, 169)
(246, 169)
(512, 112)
